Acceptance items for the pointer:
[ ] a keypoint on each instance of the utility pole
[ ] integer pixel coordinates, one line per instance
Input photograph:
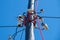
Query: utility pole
(29, 27)
(29, 20)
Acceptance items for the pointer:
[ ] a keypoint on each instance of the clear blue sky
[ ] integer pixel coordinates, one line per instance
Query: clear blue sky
(10, 9)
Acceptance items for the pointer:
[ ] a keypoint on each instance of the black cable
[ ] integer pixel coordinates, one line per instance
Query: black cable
(8, 26)
(14, 35)
(38, 16)
(50, 17)
(21, 35)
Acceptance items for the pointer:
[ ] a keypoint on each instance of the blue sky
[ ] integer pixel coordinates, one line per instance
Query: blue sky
(10, 9)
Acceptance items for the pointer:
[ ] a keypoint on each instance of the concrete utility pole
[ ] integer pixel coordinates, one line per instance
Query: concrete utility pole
(29, 27)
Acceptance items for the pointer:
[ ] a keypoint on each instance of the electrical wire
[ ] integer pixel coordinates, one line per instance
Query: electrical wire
(39, 16)
(8, 26)
(50, 17)
(21, 35)
(40, 29)
(16, 32)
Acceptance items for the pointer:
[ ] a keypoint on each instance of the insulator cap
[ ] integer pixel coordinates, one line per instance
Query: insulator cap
(41, 19)
(45, 26)
(19, 25)
(42, 10)
(20, 16)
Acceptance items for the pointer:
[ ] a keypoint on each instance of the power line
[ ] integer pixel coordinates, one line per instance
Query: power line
(40, 16)
(18, 31)
(8, 26)
(49, 17)
(21, 35)
(15, 34)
